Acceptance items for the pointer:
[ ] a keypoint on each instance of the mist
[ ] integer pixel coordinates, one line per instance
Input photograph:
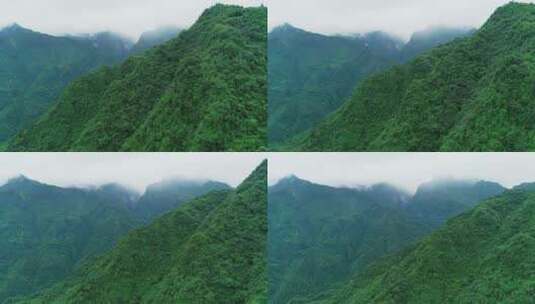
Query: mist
(133, 170)
(130, 18)
(404, 170)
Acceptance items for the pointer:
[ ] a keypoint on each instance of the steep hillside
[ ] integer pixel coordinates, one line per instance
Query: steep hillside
(35, 68)
(321, 236)
(211, 250)
(46, 232)
(312, 75)
(153, 38)
(483, 256)
(473, 94)
(202, 91)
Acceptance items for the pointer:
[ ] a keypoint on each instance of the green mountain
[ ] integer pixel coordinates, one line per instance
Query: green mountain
(312, 75)
(35, 68)
(48, 231)
(482, 256)
(473, 94)
(202, 91)
(170, 194)
(153, 38)
(320, 237)
(210, 250)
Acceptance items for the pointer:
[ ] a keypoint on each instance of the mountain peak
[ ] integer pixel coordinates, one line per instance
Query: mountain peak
(12, 28)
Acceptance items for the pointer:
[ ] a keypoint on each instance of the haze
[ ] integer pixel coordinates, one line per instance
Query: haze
(405, 170)
(134, 170)
(130, 18)
(401, 18)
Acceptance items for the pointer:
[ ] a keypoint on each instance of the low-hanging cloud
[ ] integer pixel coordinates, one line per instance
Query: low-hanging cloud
(127, 17)
(134, 170)
(397, 17)
(405, 170)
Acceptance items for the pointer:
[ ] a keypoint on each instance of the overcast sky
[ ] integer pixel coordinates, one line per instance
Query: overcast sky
(135, 170)
(405, 170)
(399, 17)
(128, 17)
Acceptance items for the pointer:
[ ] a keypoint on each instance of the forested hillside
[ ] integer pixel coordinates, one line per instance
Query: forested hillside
(311, 75)
(483, 256)
(474, 94)
(321, 236)
(48, 232)
(35, 68)
(210, 250)
(202, 91)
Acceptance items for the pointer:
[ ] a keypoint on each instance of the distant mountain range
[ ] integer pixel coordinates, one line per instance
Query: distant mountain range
(473, 94)
(311, 75)
(211, 249)
(321, 237)
(48, 232)
(204, 90)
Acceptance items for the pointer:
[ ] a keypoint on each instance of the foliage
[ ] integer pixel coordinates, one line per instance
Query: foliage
(312, 75)
(473, 94)
(483, 256)
(35, 68)
(202, 91)
(210, 250)
(320, 237)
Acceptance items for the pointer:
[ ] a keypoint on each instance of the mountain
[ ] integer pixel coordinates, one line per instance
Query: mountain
(170, 194)
(320, 237)
(35, 68)
(482, 256)
(153, 38)
(210, 250)
(312, 75)
(202, 91)
(425, 40)
(47, 231)
(473, 94)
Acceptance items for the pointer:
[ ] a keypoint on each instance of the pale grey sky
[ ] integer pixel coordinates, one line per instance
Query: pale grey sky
(399, 17)
(405, 170)
(128, 17)
(135, 170)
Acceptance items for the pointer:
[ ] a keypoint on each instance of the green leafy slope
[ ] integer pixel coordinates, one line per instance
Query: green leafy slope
(312, 75)
(153, 38)
(211, 250)
(202, 91)
(35, 68)
(474, 94)
(46, 232)
(320, 236)
(483, 256)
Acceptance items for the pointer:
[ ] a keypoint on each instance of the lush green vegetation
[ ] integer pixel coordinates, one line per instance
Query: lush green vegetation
(35, 68)
(312, 75)
(154, 38)
(483, 256)
(210, 250)
(474, 94)
(205, 90)
(320, 237)
(48, 232)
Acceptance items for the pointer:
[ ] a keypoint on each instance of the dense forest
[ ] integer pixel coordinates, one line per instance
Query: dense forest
(320, 237)
(482, 256)
(205, 90)
(473, 94)
(311, 75)
(35, 68)
(48, 232)
(211, 249)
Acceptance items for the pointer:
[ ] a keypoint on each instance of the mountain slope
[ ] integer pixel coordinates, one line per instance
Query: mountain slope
(153, 38)
(312, 75)
(473, 94)
(35, 68)
(321, 236)
(202, 91)
(483, 256)
(211, 250)
(47, 232)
